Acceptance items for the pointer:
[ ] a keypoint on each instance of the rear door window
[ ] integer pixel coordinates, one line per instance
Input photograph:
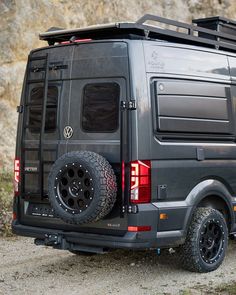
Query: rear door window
(100, 111)
(36, 106)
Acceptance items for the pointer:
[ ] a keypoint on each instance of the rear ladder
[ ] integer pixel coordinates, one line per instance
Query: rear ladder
(40, 148)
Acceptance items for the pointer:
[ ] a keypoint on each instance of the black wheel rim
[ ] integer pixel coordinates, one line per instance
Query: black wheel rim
(211, 241)
(74, 188)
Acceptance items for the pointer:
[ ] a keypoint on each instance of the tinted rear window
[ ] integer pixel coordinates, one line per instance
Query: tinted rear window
(35, 109)
(100, 111)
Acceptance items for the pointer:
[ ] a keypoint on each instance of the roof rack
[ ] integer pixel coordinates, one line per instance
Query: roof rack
(182, 33)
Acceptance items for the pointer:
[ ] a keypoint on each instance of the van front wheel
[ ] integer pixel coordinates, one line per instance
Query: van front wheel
(206, 242)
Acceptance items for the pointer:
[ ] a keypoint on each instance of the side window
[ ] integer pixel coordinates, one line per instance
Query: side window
(35, 109)
(100, 110)
(193, 107)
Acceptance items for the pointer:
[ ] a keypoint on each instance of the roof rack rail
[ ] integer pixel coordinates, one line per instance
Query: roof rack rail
(183, 33)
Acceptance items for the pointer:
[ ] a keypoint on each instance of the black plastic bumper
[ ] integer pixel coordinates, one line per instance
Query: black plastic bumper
(131, 240)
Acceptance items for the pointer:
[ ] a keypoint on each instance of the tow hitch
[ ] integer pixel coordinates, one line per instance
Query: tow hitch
(59, 242)
(54, 240)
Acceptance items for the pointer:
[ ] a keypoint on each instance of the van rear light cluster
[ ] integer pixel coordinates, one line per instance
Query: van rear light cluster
(140, 182)
(14, 216)
(16, 176)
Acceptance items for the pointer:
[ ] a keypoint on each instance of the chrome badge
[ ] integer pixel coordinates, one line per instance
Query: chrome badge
(68, 132)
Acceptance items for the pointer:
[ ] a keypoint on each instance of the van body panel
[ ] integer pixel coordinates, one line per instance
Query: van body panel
(181, 163)
(162, 59)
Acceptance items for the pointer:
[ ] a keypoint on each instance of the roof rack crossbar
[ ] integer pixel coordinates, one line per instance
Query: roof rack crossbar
(177, 24)
(162, 33)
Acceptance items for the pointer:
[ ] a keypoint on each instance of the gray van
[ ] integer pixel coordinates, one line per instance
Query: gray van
(126, 139)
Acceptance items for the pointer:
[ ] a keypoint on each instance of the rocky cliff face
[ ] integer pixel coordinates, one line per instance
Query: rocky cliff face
(22, 20)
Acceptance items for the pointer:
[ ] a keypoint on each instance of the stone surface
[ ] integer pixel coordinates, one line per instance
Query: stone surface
(22, 20)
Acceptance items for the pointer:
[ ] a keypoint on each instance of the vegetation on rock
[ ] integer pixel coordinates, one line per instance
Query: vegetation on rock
(6, 195)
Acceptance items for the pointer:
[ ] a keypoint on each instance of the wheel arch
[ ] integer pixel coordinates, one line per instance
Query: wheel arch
(214, 194)
(218, 203)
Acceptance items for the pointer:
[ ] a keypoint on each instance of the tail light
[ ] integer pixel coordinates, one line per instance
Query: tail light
(16, 176)
(140, 182)
(14, 216)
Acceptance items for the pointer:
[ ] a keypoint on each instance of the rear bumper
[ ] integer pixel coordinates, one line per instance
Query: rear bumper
(131, 240)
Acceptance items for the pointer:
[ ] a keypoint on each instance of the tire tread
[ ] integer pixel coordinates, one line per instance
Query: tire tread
(107, 184)
(188, 252)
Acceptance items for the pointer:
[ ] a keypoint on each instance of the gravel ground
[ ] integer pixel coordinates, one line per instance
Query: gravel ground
(29, 269)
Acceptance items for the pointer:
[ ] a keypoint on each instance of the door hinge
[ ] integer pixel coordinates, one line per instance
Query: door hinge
(19, 109)
(55, 67)
(37, 69)
(128, 105)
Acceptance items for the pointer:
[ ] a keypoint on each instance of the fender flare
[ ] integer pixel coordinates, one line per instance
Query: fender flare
(202, 190)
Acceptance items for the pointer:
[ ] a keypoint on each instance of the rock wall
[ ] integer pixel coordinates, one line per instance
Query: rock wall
(22, 20)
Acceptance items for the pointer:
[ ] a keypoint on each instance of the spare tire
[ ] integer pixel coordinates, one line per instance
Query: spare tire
(82, 187)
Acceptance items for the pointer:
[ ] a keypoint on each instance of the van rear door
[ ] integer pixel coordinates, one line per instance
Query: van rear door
(85, 85)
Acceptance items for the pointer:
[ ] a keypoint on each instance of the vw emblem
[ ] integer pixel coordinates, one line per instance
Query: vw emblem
(68, 132)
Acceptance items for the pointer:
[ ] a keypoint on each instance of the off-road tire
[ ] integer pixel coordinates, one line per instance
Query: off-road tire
(103, 185)
(191, 252)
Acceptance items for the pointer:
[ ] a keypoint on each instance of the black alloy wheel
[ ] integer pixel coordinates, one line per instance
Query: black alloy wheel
(82, 187)
(211, 241)
(206, 241)
(74, 188)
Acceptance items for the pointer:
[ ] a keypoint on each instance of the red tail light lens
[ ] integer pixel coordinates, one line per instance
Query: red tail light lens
(16, 176)
(14, 216)
(140, 182)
